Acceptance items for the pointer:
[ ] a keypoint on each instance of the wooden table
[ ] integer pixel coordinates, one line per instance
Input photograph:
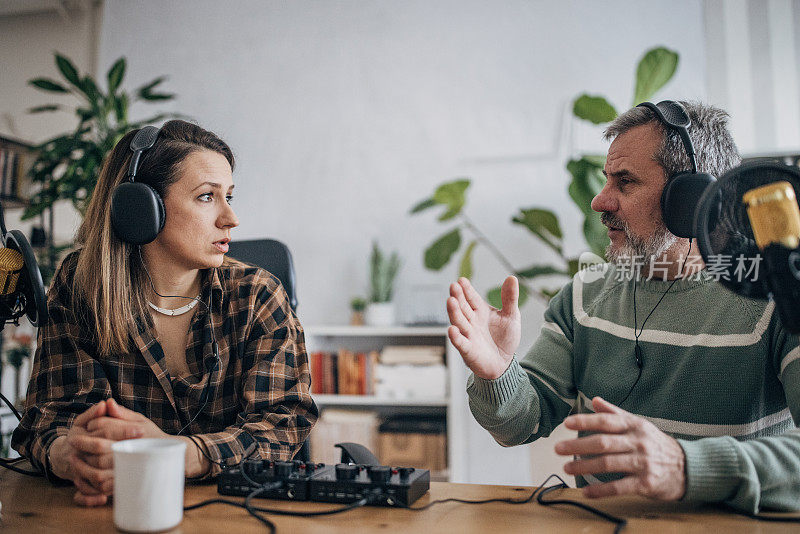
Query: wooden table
(33, 505)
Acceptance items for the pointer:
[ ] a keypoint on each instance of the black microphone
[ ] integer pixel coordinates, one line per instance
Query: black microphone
(21, 286)
(775, 219)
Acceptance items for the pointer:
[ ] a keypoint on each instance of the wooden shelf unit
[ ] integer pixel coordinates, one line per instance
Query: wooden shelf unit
(452, 402)
(16, 157)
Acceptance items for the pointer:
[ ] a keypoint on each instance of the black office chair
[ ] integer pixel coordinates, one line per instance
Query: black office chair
(271, 255)
(274, 257)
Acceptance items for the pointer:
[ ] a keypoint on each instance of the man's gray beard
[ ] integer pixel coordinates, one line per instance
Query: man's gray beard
(644, 250)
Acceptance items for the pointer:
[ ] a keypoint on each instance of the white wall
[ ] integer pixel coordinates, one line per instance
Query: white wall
(754, 70)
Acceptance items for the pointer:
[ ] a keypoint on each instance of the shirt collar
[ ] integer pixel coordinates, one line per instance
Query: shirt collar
(212, 283)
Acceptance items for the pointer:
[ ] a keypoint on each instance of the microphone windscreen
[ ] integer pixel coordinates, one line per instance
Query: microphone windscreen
(774, 215)
(11, 264)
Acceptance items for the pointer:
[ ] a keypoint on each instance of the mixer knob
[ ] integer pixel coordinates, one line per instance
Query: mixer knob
(346, 471)
(379, 474)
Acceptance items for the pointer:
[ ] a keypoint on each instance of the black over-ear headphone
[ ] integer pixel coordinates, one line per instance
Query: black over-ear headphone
(683, 189)
(137, 210)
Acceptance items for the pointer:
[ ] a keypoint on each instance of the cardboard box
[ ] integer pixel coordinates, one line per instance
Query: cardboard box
(412, 449)
(409, 441)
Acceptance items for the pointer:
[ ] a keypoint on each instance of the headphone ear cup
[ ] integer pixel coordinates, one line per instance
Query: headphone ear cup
(679, 201)
(137, 213)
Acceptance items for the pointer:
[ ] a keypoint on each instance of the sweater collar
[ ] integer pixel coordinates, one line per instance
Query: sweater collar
(657, 285)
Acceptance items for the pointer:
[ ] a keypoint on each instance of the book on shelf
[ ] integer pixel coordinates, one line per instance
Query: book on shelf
(411, 381)
(344, 372)
(357, 373)
(11, 172)
(412, 354)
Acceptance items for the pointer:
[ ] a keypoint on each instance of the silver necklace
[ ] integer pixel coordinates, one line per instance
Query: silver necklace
(176, 311)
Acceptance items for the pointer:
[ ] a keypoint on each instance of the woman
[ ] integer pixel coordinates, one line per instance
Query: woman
(127, 351)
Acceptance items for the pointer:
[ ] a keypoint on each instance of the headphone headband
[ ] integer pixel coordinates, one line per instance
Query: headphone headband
(674, 116)
(144, 139)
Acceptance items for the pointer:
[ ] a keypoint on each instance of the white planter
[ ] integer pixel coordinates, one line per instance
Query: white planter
(379, 314)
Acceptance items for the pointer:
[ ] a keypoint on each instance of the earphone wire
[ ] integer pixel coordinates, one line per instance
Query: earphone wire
(639, 353)
(214, 345)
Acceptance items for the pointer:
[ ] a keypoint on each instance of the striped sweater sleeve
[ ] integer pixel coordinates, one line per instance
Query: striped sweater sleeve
(759, 474)
(537, 392)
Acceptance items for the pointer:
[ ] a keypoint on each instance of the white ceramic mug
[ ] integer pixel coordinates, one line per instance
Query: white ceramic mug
(148, 484)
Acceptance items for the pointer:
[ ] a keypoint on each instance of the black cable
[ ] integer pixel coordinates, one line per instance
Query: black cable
(638, 352)
(208, 502)
(484, 501)
(11, 406)
(9, 464)
(353, 505)
(265, 487)
(538, 493)
(208, 457)
(196, 440)
(269, 524)
(619, 521)
(275, 511)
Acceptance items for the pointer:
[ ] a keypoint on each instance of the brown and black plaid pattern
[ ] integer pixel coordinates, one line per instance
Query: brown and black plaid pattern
(258, 394)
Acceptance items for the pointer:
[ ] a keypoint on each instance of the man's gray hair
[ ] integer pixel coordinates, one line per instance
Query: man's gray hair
(715, 150)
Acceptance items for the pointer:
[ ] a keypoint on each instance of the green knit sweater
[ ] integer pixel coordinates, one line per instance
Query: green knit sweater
(720, 375)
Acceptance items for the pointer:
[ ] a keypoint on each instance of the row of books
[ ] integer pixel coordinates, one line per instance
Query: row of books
(395, 371)
(10, 173)
(412, 354)
(344, 372)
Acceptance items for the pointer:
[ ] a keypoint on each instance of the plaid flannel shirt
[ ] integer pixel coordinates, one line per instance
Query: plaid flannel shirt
(258, 394)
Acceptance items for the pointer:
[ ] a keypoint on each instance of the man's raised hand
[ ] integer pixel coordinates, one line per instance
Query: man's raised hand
(486, 337)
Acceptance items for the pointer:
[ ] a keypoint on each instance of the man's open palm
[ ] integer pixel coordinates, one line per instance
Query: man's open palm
(486, 337)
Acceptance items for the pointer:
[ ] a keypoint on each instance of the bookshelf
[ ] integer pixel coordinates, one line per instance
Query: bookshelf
(370, 400)
(450, 403)
(15, 158)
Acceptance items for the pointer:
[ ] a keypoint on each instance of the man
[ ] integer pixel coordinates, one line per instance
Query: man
(708, 381)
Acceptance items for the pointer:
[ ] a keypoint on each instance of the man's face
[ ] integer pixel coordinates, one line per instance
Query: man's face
(630, 202)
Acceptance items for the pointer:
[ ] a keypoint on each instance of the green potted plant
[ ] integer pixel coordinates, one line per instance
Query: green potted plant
(383, 269)
(67, 165)
(357, 306)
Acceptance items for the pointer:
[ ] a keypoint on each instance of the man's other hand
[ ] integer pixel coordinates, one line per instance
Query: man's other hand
(485, 336)
(628, 444)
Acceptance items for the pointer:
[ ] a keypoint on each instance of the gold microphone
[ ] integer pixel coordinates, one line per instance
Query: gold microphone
(11, 263)
(774, 215)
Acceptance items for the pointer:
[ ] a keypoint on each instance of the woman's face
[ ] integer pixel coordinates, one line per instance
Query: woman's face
(199, 217)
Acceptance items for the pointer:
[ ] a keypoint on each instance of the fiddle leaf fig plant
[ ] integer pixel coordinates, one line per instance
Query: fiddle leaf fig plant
(654, 70)
(67, 166)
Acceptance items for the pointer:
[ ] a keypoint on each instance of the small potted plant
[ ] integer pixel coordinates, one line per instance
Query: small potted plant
(382, 273)
(357, 306)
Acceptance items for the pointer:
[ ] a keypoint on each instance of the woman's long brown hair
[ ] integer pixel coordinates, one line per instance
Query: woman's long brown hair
(109, 277)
